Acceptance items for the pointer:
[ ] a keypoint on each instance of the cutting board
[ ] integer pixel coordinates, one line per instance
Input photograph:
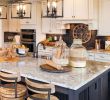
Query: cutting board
(48, 68)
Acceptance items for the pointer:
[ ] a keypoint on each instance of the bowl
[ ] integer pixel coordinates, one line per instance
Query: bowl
(22, 51)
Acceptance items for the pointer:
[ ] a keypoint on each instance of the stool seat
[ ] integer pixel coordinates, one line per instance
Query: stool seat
(8, 92)
(43, 97)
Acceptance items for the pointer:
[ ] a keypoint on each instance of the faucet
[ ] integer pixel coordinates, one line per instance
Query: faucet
(37, 47)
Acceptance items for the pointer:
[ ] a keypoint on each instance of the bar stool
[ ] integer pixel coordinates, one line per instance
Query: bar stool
(42, 90)
(11, 90)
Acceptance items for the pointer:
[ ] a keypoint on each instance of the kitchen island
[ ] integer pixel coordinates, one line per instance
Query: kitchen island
(90, 83)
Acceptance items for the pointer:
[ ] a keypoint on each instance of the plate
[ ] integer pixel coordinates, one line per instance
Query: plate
(48, 68)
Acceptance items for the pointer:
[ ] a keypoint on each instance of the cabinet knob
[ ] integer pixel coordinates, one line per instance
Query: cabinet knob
(49, 30)
(73, 16)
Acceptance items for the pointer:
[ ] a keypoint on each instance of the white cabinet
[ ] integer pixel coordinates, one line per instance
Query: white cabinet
(93, 14)
(13, 23)
(47, 52)
(35, 21)
(104, 16)
(31, 20)
(76, 9)
(99, 56)
(102, 57)
(46, 27)
(50, 25)
(5, 25)
(90, 56)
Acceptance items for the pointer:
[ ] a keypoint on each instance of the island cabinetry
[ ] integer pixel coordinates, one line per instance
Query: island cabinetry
(92, 92)
(95, 90)
(109, 85)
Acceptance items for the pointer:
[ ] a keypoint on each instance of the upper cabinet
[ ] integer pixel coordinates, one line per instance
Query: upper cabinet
(76, 9)
(31, 20)
(12, 23)
(104, 16)
(93, 14)
(50, 25)
(35, 21)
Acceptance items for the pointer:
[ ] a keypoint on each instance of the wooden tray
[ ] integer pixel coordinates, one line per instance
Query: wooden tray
(48, 68)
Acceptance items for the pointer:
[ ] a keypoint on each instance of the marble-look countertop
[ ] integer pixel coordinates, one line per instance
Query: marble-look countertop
(29, 67)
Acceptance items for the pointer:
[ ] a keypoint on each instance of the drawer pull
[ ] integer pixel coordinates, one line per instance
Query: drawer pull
(27, 22)
(90, 55)
(102, 56)
(95, 86)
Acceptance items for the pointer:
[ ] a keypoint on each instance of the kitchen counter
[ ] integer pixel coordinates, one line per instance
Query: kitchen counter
(29, 67)
(99, 51)
(80, 83)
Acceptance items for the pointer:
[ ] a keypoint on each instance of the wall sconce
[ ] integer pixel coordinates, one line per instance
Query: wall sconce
(52, 8)
(3, 12)
(21, 10)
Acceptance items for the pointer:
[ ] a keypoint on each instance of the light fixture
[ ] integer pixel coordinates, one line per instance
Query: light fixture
(54, 8)
(3, 12)
(21, 10)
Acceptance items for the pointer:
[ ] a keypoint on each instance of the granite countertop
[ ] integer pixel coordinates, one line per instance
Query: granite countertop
(29, 67)
(99, 51)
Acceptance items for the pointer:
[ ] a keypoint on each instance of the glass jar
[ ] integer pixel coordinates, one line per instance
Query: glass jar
(61, 53)
(78, 54)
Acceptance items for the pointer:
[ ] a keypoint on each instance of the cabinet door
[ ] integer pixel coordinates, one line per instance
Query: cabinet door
(68, 9)
(46, 25)
(104, 15)
(76, 9)
(14, 24)
(50, 25)
(81, 9)
(95, 90)
(102, 57)
(31, 20)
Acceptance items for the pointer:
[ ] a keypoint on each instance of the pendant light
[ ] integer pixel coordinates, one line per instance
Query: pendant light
(21, 10)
